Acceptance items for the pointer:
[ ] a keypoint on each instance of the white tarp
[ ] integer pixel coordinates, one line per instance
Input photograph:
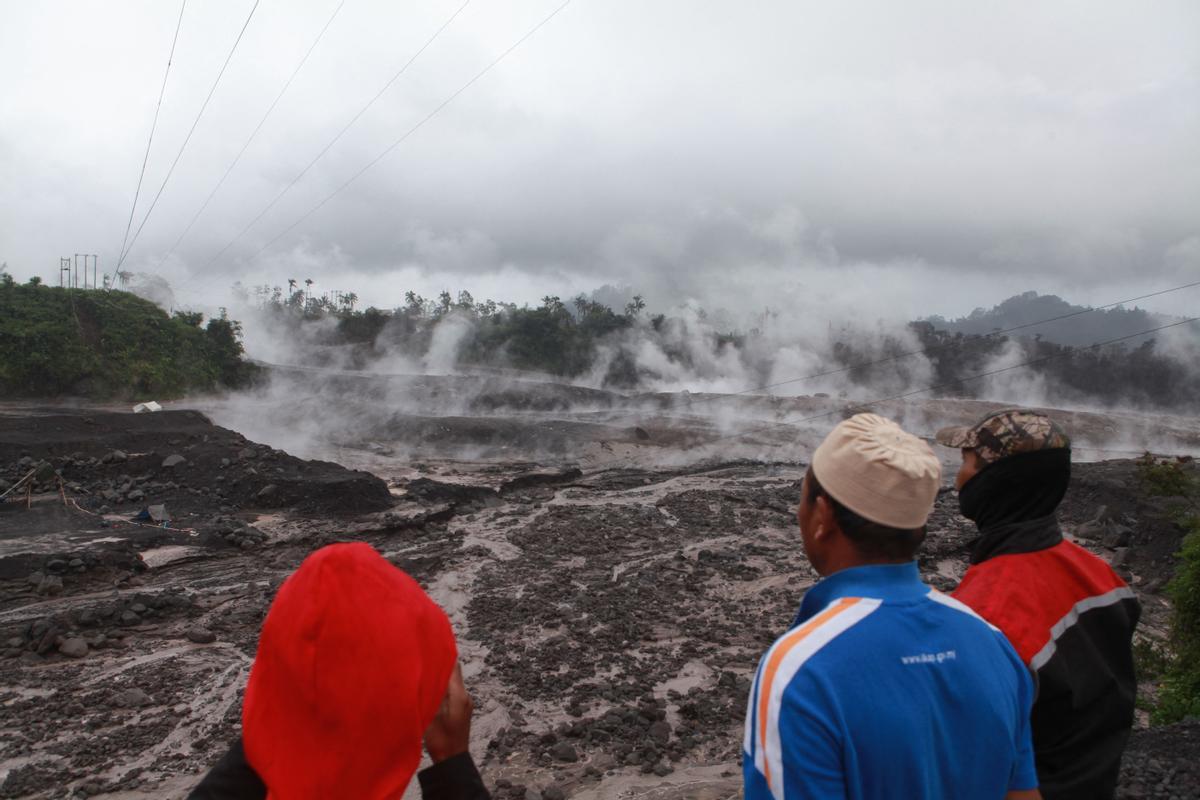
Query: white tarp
(143, 407)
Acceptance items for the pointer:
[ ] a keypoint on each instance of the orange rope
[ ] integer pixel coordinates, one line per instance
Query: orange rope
(68, 502)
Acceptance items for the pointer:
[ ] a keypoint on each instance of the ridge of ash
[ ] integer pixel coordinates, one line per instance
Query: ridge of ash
(134, 482)
(182, 458)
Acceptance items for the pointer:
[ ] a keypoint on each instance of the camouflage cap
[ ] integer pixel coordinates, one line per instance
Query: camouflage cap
(1005, 433)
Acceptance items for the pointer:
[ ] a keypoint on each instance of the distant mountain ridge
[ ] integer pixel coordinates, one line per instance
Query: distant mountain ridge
(1083, 329)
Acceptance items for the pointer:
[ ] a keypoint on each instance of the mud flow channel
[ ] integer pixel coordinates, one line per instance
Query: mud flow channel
(609, 617)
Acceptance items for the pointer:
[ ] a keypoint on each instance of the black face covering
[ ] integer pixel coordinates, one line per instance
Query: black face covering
(1016, 498)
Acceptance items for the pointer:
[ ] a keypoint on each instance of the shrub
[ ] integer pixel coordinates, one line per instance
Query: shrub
(105, 345)
(1179, 697)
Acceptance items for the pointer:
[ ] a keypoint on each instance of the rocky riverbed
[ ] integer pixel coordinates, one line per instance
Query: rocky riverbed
(609, 616)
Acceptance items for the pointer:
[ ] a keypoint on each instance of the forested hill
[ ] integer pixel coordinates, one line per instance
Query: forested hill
(58, 342)
(1022, 309)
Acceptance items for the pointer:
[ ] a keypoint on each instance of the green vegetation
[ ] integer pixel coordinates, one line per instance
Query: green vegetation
(110, 345)
(572, 338)
(551, 338)
(1115, 374)
(1179, 697)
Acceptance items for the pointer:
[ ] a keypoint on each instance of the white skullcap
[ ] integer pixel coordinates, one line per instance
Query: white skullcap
(879, 471)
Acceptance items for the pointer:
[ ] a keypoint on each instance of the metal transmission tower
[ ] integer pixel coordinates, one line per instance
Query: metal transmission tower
(64, 265)
(85, 257)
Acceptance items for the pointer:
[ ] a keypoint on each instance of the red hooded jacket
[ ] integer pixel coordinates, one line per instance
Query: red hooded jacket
(352, 665)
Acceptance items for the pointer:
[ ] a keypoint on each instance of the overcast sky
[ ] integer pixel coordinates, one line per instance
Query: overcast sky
(908, 158)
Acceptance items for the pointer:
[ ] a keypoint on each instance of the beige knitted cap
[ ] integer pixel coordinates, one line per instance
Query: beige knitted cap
(878, 470)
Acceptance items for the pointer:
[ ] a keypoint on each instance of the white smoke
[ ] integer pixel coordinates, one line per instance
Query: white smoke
(1013, 384)
(449, 335)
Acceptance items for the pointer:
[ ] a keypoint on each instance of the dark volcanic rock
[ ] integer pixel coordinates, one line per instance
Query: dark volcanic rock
(431, 491)
(1162, 762)
(131, 698)
(74, 648)
(540, 478)
(200, 635)
(564, 752)
(308, 486)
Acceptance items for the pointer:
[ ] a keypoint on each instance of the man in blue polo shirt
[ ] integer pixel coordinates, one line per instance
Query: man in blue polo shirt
(883, 687)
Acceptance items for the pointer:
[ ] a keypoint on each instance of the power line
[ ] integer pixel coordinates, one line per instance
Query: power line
(989, 373)
(153, 125)
(188, 138)
(939, 348)
(1031, 362)
(951, 344)
(416, 127)
(253, 134)
(342, 132)
(947, 384)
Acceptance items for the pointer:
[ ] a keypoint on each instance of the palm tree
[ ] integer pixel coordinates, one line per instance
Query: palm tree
(350, 299)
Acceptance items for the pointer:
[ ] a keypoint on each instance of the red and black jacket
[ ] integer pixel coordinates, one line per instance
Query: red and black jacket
(1071, 619)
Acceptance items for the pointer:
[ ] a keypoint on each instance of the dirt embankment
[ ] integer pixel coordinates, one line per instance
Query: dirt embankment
(608, 622)
(200, 485)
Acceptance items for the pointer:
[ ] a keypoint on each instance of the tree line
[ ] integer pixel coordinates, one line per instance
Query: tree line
(56, 341)
(566, 338)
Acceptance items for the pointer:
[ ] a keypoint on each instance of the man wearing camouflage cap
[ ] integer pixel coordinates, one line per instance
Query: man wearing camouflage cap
(1069, 616)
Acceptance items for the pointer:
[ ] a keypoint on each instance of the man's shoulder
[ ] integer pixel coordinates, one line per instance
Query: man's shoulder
(794, 651)
(844, 628)
(1026, 594)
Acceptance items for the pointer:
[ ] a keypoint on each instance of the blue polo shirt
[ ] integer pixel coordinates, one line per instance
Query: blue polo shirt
(887, 688)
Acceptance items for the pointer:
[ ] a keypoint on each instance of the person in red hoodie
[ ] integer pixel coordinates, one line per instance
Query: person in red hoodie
(356, 668)
(1069, 616)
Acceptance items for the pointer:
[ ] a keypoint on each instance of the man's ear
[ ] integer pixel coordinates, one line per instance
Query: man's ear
(823, 520)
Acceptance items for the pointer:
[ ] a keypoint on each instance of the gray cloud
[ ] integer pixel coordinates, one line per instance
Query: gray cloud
(739, 156)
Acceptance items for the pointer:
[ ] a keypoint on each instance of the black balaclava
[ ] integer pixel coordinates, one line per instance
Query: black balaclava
(1022, 488)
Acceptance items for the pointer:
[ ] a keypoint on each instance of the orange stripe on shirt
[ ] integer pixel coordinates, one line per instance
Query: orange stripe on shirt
(785, 646)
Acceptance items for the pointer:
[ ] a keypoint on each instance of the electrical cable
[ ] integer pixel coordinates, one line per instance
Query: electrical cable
(153, 126)
(989, 373)
(946, 384)
(939, 348)
(341, 132)
(416, 127)
(254, 133)
(188, 138)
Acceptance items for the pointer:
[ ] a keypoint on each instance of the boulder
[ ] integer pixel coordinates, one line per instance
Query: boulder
(200, 635)
(1116, 535)
(563, 751)
(51, 584)
(173, 460)
(131, 698)
(75, 647)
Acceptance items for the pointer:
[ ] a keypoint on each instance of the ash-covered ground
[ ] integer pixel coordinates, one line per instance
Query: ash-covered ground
(613, 575)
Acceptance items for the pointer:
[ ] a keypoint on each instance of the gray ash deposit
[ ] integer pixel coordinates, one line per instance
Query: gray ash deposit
(609, 615)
